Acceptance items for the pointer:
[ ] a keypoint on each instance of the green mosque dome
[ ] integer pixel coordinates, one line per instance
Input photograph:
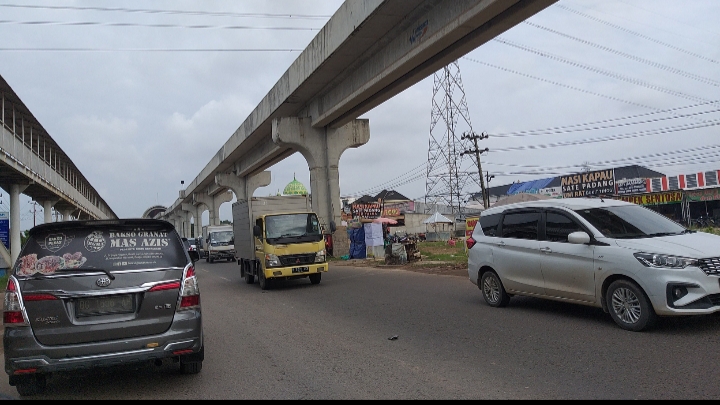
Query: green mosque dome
(295, 188)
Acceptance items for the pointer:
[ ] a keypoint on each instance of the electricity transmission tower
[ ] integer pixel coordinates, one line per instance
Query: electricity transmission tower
(450, 172)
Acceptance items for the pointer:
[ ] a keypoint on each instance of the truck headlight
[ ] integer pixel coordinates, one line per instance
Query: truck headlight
(664, 261)
(320, 256)
(271, 260)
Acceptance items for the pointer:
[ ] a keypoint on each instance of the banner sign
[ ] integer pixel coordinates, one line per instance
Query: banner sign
(671, 197)
(5, 228)
(470, 226)
(708, 194)
(366, 210)
(631, 186)
(554, 192)
(588, 184)
(395, 209)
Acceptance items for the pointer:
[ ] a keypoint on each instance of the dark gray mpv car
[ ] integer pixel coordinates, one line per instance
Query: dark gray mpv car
(87, 294)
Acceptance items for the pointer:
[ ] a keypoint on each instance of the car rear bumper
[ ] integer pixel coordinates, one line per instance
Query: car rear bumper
(25, 355)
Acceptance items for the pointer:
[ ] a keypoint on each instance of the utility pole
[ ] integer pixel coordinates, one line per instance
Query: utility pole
(486, 196)
(477, 152)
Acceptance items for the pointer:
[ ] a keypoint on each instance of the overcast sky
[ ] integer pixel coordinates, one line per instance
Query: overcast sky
(604, 83)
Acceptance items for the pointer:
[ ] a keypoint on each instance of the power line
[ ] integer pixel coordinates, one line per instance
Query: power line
(600, 71)
(553, 130)
(504, 69)
(177, 12)
(631, 135)
(128, 24)
(149, 50)
(598, 127)
(628, 56)
(637, 34)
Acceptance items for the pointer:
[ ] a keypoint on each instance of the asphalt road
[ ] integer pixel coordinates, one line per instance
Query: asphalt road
(330, 341)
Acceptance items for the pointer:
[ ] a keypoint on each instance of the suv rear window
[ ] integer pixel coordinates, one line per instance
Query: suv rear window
(489, 224)
(73, 247)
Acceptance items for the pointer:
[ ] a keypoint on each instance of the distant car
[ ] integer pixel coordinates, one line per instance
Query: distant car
(626, 259)
(86, 294)
(190, 245)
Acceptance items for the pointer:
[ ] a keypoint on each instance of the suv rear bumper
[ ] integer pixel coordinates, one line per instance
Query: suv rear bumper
(23, 352)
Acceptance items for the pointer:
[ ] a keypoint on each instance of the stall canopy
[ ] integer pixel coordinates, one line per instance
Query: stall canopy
(438, 218)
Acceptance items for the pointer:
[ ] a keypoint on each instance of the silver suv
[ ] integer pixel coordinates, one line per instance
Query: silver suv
(626, 259)
(87, 294)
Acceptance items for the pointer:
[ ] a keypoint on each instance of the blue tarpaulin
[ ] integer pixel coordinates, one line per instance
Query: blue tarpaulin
(358, 250)
(530, 187)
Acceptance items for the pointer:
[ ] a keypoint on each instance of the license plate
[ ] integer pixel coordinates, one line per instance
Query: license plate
(115, 304)
(300, 269)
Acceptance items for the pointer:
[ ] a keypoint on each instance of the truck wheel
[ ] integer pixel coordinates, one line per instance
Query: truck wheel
(211, 259)
(207, 259)
(264, 282)
(249, 276)
(315, 278)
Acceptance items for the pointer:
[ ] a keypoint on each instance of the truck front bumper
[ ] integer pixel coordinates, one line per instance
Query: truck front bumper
(296, 271)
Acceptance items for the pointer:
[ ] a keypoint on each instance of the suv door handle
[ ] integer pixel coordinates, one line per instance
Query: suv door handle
(546, 250)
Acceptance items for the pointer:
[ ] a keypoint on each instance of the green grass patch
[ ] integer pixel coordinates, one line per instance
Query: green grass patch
(3, 280)
(443, 251)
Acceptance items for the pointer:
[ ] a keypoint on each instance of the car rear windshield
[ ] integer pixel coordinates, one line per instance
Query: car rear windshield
(108, 247)
(631, 221)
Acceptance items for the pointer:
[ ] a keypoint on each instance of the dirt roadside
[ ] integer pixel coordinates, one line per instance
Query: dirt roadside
(422, 266)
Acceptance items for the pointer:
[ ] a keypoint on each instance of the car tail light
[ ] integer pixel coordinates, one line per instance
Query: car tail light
(166, 286)
(39, 297)
(189, 291)
(470, 242)
(13, 311)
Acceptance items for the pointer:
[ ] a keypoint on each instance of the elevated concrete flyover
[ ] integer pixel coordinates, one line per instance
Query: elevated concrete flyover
(368, 52)
(32, 163)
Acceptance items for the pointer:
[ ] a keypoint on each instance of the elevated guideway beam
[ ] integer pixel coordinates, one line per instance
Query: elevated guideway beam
(368, 52)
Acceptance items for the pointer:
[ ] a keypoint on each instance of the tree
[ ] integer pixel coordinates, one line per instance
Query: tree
(225, 222)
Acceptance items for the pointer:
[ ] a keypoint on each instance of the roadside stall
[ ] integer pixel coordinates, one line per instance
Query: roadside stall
(433, 225)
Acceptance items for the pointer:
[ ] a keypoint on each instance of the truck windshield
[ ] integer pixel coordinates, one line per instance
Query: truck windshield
(291, 225)
(221, 237)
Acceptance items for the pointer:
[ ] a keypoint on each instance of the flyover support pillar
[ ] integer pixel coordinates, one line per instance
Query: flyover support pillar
(244, 187)
(322, 148)
(47, 209)
(15, 240)
(196, 213)
(213, 203)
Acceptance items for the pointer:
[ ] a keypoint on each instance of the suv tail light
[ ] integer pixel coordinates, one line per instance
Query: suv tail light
(13, 311)
(470, 242)
(189, 291)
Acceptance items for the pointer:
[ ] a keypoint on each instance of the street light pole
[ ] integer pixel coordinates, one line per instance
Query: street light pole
(477, 152)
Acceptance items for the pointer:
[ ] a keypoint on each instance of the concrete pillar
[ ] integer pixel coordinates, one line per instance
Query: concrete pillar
(213, 204)
(67, 214)
(243, 187)
(15, 240)
(322, 148)
(47, 209)
(191, 211)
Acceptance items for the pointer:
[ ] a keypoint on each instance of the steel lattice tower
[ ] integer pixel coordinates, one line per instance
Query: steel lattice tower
(448, 172)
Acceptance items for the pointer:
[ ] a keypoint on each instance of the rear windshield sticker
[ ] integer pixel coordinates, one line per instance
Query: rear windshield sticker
(30, 264)
(55, 242)
(95, 242)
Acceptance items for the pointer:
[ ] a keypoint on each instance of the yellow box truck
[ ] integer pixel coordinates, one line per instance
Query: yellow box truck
(278, 238)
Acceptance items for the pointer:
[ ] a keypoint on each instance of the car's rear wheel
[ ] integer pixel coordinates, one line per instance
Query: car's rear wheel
(492, 290)
(315, 278)
(629, 307)
(31, 385)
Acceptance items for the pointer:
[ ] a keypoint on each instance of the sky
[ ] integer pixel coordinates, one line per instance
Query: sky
(141, 95)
